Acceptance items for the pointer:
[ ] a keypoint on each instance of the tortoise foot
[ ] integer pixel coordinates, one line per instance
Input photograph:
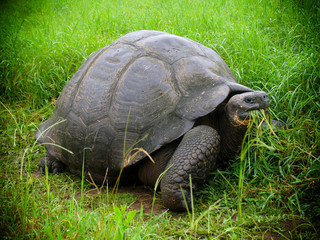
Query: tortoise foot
(54, 166)
(195, 157)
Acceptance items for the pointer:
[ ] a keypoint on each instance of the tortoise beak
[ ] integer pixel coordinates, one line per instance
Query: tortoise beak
(240, 105)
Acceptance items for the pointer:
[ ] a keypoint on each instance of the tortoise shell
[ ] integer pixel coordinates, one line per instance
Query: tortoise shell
(147, 87)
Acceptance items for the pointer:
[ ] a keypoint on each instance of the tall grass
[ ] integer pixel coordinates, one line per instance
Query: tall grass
(270, 191)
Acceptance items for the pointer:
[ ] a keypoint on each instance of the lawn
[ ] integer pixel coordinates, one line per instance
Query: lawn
(271, 191)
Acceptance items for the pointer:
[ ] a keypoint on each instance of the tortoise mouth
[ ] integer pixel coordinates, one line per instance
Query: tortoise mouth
(244, 119)
(240, 121)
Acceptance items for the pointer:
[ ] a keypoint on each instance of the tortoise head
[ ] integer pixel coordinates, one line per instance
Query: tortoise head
(239, 105)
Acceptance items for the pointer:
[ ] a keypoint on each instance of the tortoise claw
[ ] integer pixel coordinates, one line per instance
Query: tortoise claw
(55, 171)
(54, 166)
(58, 167)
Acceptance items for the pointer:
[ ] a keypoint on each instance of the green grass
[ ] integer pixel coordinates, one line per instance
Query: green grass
(271, 191)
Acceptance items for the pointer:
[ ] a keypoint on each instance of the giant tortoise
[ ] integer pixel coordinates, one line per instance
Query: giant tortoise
(168, 95)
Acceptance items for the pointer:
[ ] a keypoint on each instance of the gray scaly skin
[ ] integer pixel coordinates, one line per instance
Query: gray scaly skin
(204, 149)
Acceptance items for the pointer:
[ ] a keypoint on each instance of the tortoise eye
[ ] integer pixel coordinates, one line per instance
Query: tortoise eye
(249, 100)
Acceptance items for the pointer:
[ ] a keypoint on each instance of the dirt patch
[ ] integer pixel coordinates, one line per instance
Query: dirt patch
(143, 194)
(291, 229)
(145, 197)
(272, 236)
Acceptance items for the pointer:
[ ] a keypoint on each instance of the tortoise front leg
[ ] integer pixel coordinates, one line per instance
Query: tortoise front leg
(54, 165)
(196, 155)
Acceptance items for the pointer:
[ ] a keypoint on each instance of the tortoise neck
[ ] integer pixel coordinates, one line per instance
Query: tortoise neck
(231, 134)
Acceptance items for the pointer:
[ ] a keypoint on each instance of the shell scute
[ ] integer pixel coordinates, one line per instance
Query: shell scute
(147, 91)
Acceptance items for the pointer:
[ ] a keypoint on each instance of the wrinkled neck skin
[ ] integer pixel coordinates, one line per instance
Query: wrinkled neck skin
(231, 133)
